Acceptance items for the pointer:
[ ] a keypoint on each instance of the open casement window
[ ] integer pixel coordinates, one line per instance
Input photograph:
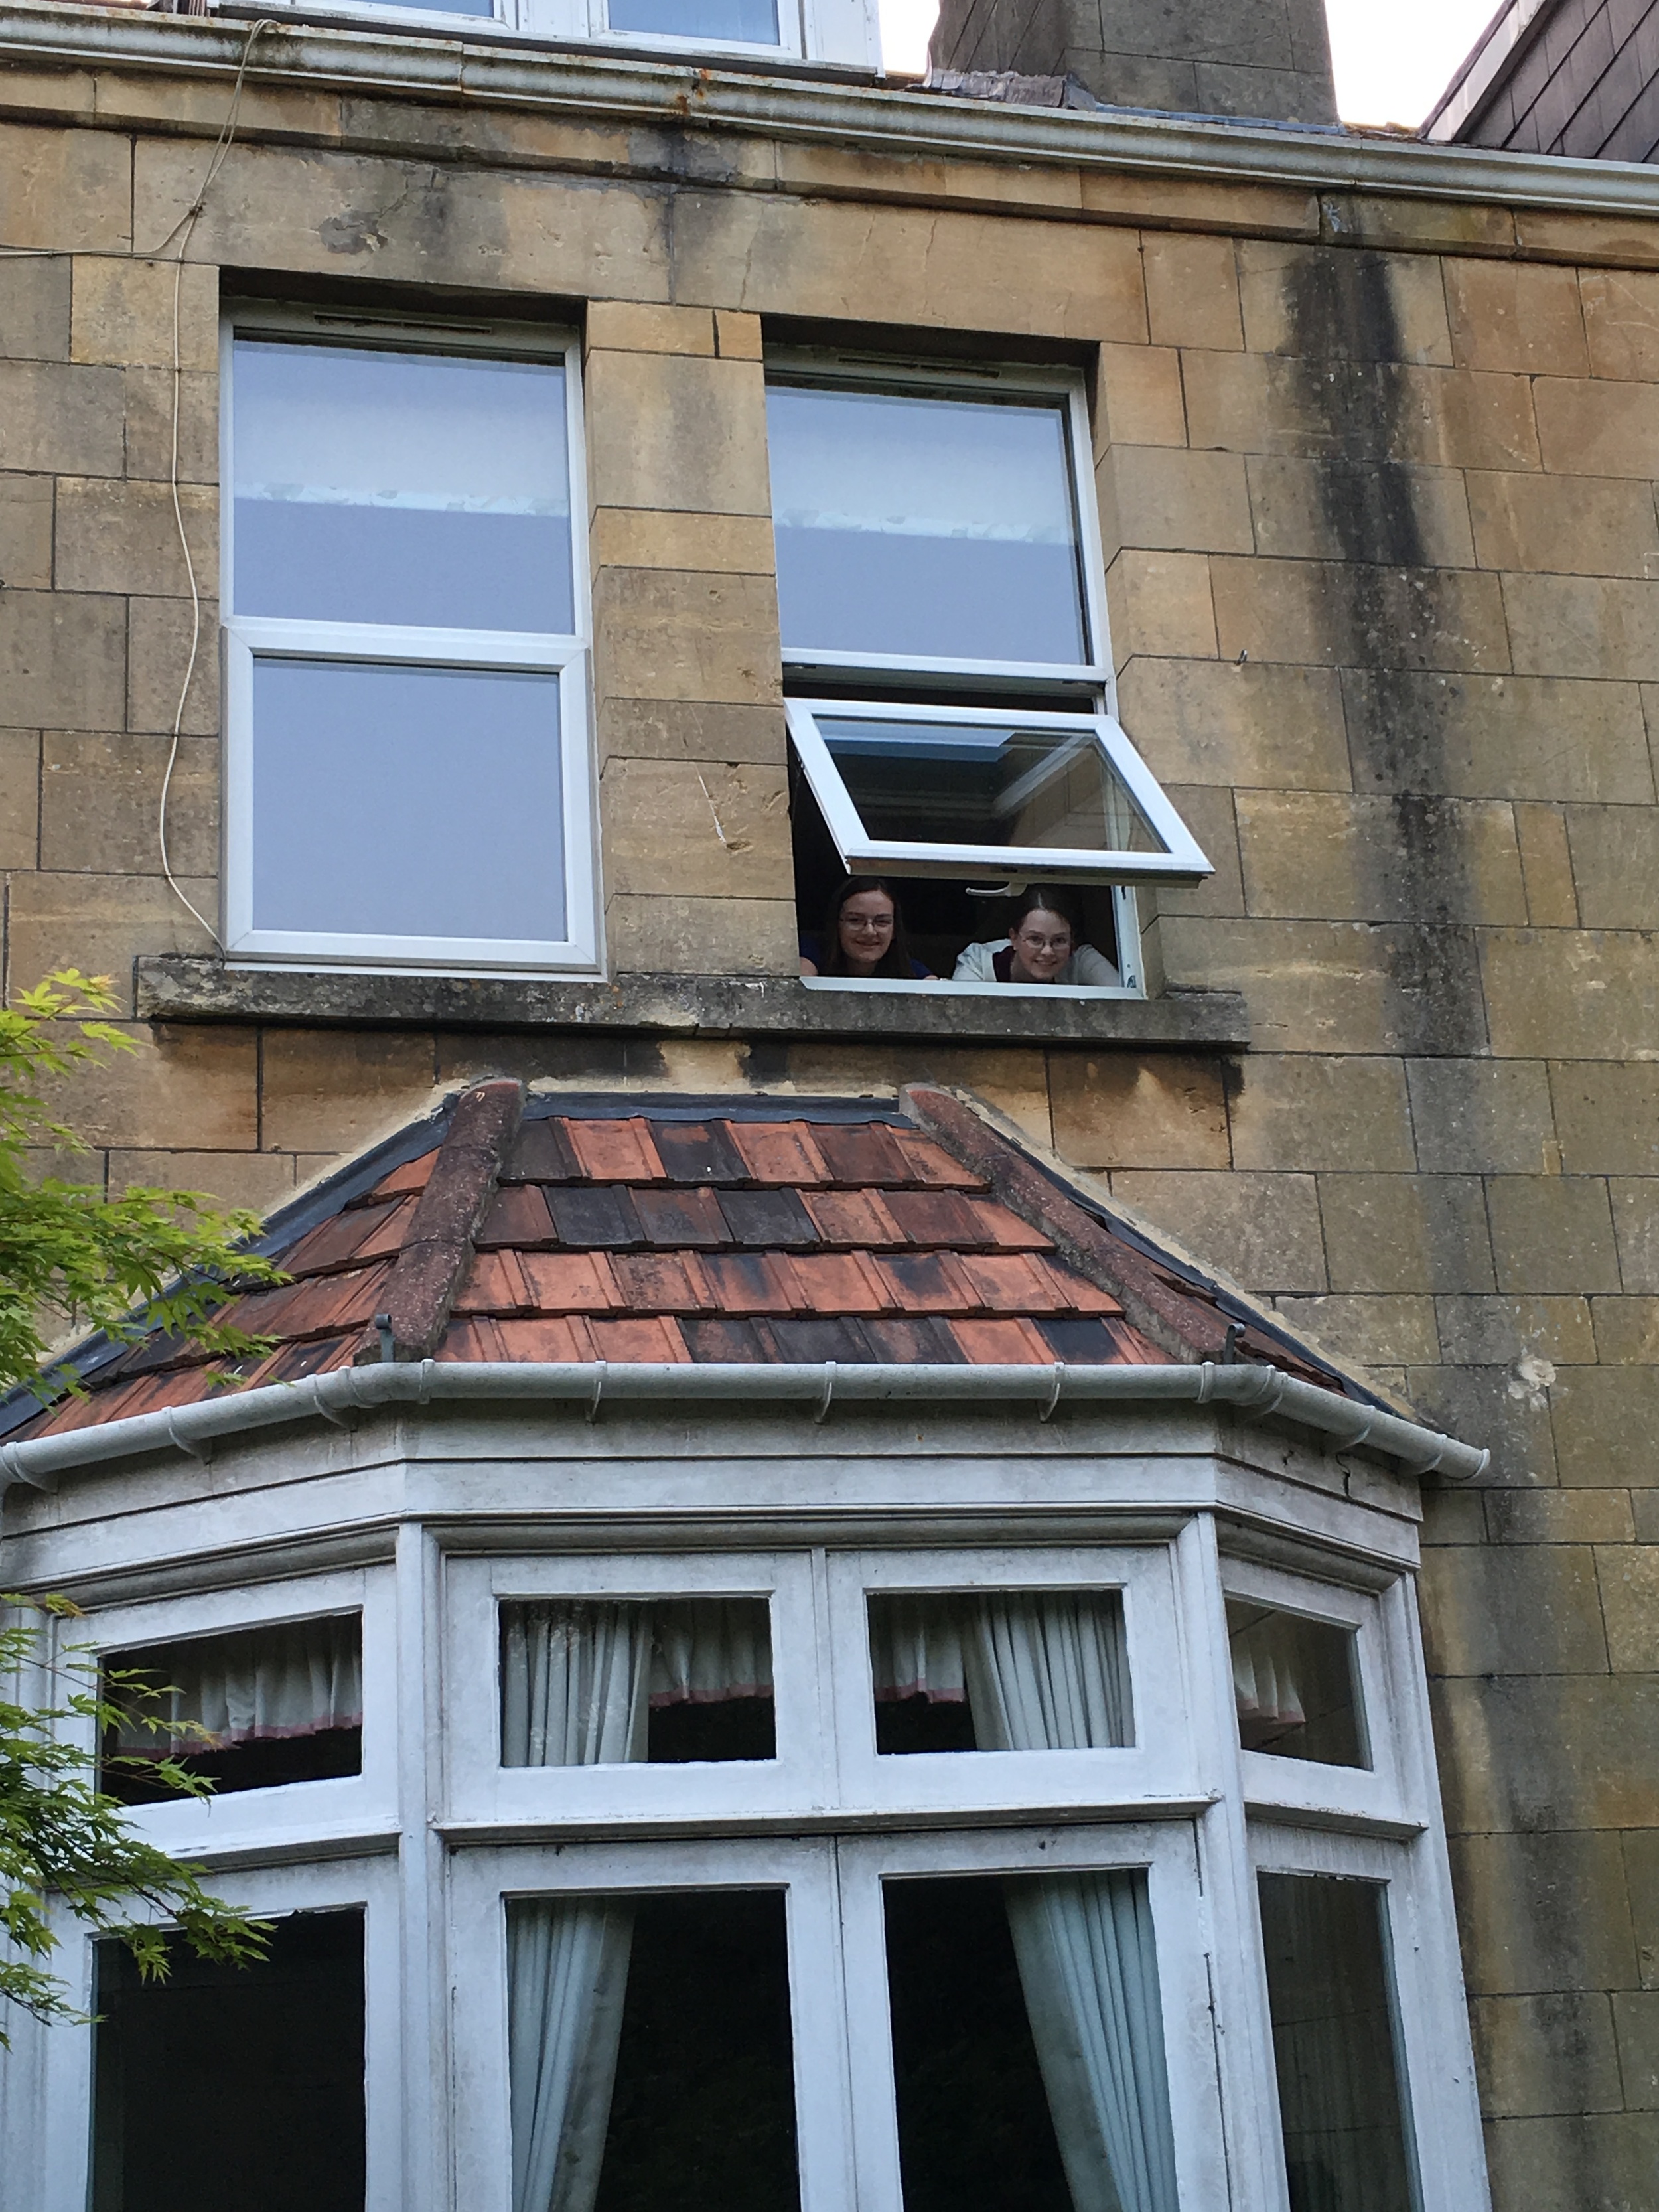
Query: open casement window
(950, 696)
(843, 32)
(405, 637)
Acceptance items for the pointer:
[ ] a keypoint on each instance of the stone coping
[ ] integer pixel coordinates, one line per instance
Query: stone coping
(191, 987)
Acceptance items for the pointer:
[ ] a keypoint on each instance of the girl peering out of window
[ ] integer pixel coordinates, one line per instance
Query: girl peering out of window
(863, 935)
(1041, 947)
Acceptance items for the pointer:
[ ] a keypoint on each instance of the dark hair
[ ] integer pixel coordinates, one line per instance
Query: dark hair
(895, 960)
(1046, 898)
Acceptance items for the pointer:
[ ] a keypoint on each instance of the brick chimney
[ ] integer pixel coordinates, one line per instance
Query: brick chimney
(1270, 59)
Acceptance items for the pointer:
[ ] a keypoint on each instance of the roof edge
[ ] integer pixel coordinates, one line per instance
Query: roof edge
(1258, 1393)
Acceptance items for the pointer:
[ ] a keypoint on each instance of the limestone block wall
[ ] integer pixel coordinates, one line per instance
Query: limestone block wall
(1377, 480)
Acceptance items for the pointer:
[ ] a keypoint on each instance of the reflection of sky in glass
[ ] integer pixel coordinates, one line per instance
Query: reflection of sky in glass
(734, 22)
(407, 802)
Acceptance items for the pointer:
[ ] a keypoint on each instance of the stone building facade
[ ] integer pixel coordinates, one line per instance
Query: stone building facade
(1377, 431)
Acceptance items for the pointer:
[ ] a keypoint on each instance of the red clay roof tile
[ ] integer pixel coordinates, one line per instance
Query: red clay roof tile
(615, 1151)
(571, 1282)
(493, 1284)
(926, 1282)
(779, 1151)
(644, 1340)
(661, 1283)
(999, 1226)
(852, 1217)
(517, 1215)
(1001, 1344)
(748, 1283)
(931, 1164)
(412, 1177)
(861, 1153)
(934, 1217)
(835, 1283)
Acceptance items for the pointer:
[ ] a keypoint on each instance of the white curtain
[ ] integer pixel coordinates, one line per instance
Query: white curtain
(1089, 1970)
(259, 1686)
(1048, 1670)
(1264, 1674)
(572, 1683)
(705, 1651)
(915, 1650)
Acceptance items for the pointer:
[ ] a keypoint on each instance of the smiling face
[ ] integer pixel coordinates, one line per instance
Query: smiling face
(1044, 943)
(867, 921)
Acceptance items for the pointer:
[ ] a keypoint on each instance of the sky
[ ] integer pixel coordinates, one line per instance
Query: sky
(1393, 58)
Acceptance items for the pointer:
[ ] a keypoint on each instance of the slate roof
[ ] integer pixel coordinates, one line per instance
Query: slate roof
(564, 1230)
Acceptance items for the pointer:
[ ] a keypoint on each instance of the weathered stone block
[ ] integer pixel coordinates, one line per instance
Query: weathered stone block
(1321, 510)
(1192, 291)
(677, 830)
(20, 799)
(1237, 724)
(1641, 1852)
(1482, 1116)
(1305, 1111)
(1323, 302)
(35, 308)
(1528, 1335)
(193, 1088)
(1615, 850)
(158, 656)
(150, 426)
(1510, 314)
(1636, 2020)
(1629, 1578)
(1551, 2053)
(1559, 1516)
(1621, 322)
(737, 337)
(1363, 412)
(65, 188)
(1543, 1912)
(100, 924)
(1607, 1116)
(62, 659)
(1576, 997)
(1348, 614)
(26, 533)
(1168, 498)
(1626, 1330)
(1605, 1420)
(1160, 604)
(633, 326)
(710, 544)
(1492, 1407)
(1373, 1333)
(61, 418)
(1208, 813)
(1262, 1229)
(1585, 626)
(1599, 2162)
(1635, 1224)
(1498, 737)
(1551, 1233)
(323, 1088)
(1140, 395)
(1364, 858)
(99, 798)
(1406, 1233)
(123, 313)
(1551, 1752)
(1545, 867)
(677, 432)
(121, 536)
(1518, 1609)
(664, 634)
(1594, 427)
(1123, 1111)
(689, 729)
(260, 1180)
(680, 936)
(1571, 525)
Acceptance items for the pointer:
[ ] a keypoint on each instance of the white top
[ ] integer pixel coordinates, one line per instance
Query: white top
(1086, 966)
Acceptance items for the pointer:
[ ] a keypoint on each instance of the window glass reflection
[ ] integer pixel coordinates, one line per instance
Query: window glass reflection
(407, 802)
(729, 22)
(1028, 2045)
(430, 489)
(587, 1683)
(1297, 1685)
(649, 2049)
(1045, 1670)
(1348, 2144)
(923, 524)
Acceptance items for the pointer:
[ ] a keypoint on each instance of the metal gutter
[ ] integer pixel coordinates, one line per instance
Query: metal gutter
(1257, 1393)
(896, 123)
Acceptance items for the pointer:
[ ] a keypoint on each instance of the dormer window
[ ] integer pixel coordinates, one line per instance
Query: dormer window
(951, 697)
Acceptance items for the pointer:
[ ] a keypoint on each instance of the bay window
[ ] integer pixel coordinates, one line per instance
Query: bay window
(406, 641)
(950, 696)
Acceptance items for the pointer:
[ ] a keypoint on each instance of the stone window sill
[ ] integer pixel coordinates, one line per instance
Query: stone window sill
(184, 987)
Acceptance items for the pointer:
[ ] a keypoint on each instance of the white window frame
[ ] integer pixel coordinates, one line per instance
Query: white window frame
(1185, 861)
(847, 2129)
(1434, 2057)
(845, 33)
(1161, 1763)
(1182, 862)
(340, 1806)
(560, 655)
(481, 1790)
(368, 1885)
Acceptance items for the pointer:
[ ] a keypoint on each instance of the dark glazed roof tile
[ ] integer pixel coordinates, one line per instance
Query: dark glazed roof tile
(590, 1214)
(681, 1217)
(543, 1154)
(518, 1215)
(697, 1152)
(777, 1219)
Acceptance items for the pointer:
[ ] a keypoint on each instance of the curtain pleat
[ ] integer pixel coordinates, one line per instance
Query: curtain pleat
(707, 1649)
(1264, 1675)
(567, 1978)
(1048, 1670)
(915, 1648)
(259, 1686)
(572, 1684)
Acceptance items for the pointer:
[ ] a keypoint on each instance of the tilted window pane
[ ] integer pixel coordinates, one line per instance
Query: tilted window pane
(230, 2086)
(586, 1682)
(1347, 2145)
(1028, 2045)
(245, 1711)
(407, 801)
(1297, 1685)
(748, 22)
(925, 525)
(428, 489)
(649, 2038)
(996, 785)
(1044, 1670)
